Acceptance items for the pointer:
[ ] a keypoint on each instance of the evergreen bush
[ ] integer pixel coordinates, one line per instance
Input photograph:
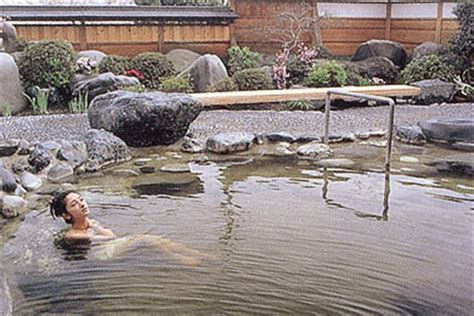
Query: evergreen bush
(253, 79)
(427, 67)
(183, 84)
(462, 42)
(118, 65)
(224, 85)
(154, 66)
(47, 64)
(328, 74)
(241, 58)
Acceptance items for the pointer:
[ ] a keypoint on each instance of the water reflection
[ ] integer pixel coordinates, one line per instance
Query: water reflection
(386, 197)
(279, 246)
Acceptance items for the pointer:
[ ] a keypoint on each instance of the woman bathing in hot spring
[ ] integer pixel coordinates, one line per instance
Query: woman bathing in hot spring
(72, 207)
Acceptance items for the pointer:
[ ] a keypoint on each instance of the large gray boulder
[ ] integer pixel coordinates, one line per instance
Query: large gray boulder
(443, 51)
(144, 119)
(428, 48)
(410, 134)
(11, 92)
(8, 36)
(378, 67)
(434, 91)
(101, 84)
(392, 50)
(206, 71)
(104, 148)
(182, 58)
(457, 133)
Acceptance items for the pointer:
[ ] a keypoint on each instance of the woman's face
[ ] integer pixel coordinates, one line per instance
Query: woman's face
(76, 206)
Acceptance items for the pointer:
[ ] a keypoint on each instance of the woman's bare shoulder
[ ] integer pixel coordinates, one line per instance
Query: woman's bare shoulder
(76, 236)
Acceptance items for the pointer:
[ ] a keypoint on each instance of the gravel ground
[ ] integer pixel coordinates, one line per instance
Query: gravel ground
(67, 126)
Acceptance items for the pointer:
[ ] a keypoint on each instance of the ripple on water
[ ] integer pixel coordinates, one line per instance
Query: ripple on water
(277, 244)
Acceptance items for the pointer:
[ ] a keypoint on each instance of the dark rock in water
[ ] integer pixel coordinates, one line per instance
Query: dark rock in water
(101, 84)
(434, 91)
(74, 153)
(39, 158)
(8, 147)
(9, 213)
(60, 172)
(280, 137)
(20, 165)
(225, 143)
(392, 50)
(7, 180)
(144, 119)
(147, 169)
(450, 132)
(410, 135)
(307, 139)
(104, 148)
(24, 147)
(192, 145)
(458, 168)
(169, 184)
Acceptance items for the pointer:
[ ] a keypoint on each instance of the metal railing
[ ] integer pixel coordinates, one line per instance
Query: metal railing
(343, 92)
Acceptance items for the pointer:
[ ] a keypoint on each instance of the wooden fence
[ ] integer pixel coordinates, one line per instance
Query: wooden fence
(341, 35)
(130, 40)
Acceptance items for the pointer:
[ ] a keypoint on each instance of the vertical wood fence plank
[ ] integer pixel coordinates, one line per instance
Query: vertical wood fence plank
(388, 21)
(439, 20)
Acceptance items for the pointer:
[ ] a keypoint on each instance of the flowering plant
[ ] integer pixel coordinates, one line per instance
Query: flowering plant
(292, 66)
(135, 73)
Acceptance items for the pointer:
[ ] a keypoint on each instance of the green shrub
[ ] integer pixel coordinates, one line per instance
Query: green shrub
(118, 65)
(427, 67)
(299, 105)
(224, 85)
(182, 84)
(47, 64)
(241, 58)
(329, 74)
(39, 101)
(80, 103)
(253, 79)
(138, 88)
(154, 66)
(462, 41)
(302, 61)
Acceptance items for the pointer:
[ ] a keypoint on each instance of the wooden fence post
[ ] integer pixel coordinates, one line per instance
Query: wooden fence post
(388, 21)
(83, 45)
(161, 38)
(439, 22)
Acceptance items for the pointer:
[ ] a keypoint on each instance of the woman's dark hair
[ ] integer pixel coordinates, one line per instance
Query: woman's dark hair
(58, 205)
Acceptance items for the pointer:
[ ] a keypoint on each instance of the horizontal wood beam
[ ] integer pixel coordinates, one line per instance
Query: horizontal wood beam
(270, 96)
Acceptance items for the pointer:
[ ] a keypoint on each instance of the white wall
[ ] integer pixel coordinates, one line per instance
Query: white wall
(448, 10)
(67, 2)
(414, 10)
(353, 10)
(379, 10)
